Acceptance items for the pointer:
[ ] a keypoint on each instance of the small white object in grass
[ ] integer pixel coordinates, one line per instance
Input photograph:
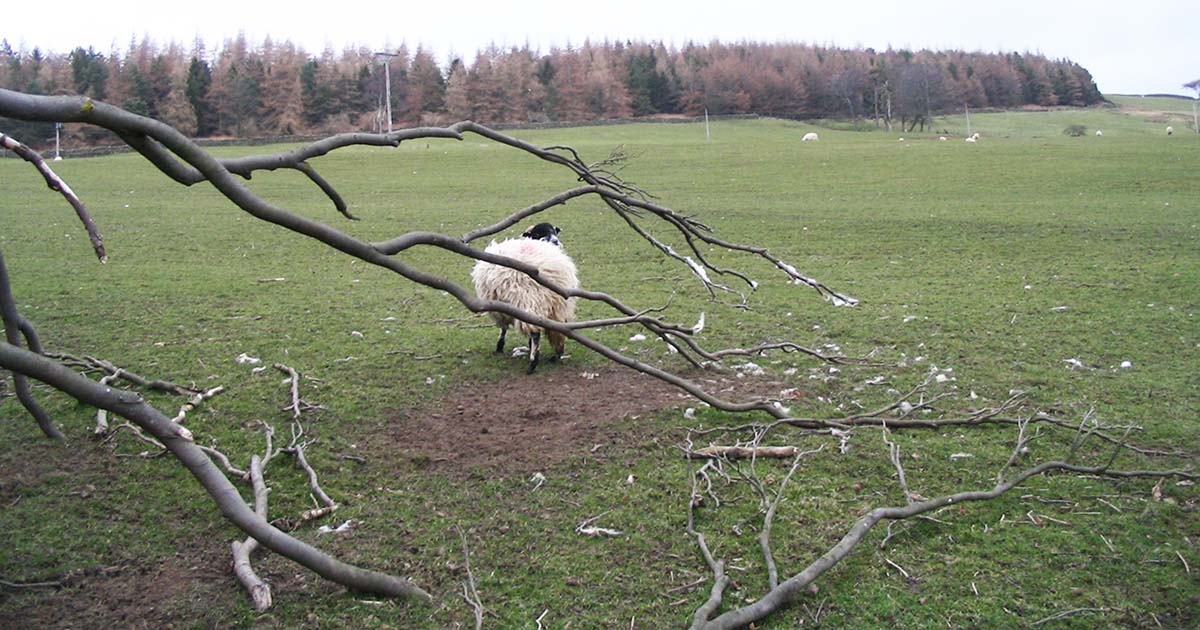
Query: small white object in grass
(910, 318)
(961, 455)
(388, 319)
(245, 358)
(1126, 365)
(1074, 364)
(638, 337)
(258, 370)
(355, 333)
(784, 410)
(905, 407)
(429, 380)
(629, 480)
(538, 479)
(750, 368)
(690, 413)
(699, 325)
(973, 395)
(598, 531)
(1059, 309)
(344, 527)
(941, 378)
(1028, 287)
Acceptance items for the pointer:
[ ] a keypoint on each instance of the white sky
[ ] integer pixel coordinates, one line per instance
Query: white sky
(1142, 47)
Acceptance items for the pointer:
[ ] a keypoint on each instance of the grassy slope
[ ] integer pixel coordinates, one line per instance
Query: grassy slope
(980, 243)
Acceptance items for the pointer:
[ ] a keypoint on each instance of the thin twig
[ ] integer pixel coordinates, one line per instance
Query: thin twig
(470, 593)
(1068, 613)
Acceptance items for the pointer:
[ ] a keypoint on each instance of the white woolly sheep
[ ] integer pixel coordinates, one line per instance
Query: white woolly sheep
(971, 139)
(539, 246)
(1099, 133)
(810, 137)
(941, 138)
(1170, 130)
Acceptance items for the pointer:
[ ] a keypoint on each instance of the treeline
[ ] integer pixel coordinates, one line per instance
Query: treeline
(279, 89)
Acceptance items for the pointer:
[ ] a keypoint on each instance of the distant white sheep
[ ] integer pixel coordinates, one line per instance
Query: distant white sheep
(1170, 130)
(941, 138)
(810, 137)
(539, 246)
(1099, 133)
(971, 139)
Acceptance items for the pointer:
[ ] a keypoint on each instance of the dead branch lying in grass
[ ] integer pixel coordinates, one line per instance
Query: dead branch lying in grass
(780, 594)
(180, 444)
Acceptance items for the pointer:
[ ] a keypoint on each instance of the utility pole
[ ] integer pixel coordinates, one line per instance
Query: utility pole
(387, 82)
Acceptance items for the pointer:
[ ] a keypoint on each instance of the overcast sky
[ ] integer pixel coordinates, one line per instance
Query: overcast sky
(1150, 46)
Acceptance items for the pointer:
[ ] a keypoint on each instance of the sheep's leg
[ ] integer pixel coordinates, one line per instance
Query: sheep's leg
(500, 343)
(535, 342)
(559, 342)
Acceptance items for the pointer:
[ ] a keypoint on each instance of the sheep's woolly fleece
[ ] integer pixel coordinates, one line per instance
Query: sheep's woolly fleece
(496, 282)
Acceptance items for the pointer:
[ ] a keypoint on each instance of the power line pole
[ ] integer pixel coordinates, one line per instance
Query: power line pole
(387, 82)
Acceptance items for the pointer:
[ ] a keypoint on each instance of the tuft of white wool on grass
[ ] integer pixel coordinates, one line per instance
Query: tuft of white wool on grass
(504, 284)
(810, 137)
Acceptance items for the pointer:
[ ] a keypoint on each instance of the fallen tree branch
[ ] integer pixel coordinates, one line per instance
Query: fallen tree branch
(260, 591)
(195, 401)
(88, 363)
(295, 386)
(469, 592)
(130, 406)
(788, 590)
(742, 452)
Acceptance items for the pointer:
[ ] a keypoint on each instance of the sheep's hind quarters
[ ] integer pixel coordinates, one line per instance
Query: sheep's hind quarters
(539, 247)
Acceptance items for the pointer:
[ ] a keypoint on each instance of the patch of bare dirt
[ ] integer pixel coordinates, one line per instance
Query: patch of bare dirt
(527, 423)
(128, 594)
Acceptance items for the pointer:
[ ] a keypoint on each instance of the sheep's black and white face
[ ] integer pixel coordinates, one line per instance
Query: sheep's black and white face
(544, 232)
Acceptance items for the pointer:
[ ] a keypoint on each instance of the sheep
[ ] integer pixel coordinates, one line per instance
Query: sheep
(941, 138)
(538, 246)
(1170, 130)
(1099, 133)
(810, 137)
(971, 139)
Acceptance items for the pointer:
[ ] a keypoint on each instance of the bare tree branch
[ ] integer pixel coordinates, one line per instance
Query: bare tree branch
(178, 441)
(260, 591)
(57, 184)
(14, 324)
(791, 588)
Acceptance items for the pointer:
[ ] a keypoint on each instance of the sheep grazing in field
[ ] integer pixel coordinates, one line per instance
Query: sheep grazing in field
(1099, 133)
(971, 139)
(810, 137)
(941, 138)
(539, 246)
(1170, 130)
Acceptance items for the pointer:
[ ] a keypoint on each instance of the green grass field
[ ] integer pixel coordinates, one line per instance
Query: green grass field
(1001, 260)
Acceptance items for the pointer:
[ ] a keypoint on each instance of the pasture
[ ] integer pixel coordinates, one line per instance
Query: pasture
(1001, 261)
